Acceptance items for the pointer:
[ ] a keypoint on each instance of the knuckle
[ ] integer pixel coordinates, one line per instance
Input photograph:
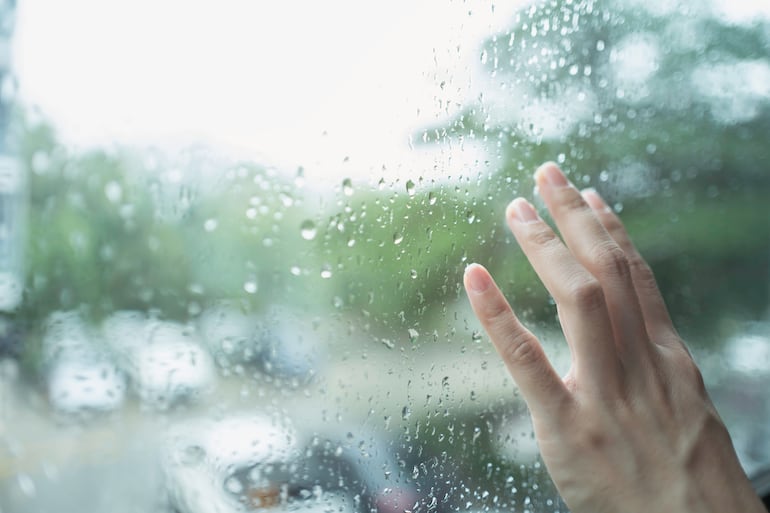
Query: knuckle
(544, 237)
(611, 260)
(588, 295)
(642, 273)
(522, 348)
(572, 200)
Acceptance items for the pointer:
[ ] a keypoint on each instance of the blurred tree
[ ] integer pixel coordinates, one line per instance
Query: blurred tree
(664, 107)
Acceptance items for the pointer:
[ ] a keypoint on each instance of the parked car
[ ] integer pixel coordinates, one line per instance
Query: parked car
(80, 374)
(249, 462)
(279, 343)
(243, 463)
(164, 360)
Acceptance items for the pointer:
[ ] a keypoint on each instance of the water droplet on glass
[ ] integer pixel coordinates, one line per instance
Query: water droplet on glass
(413, 335)
(308, 230)
(210, 225)
(431, 198)
(250, 286)
(26, 484)
(295, 270)
(406, 412)
(413, 274)
(113, 191)
(397, 238)
(326, 271)
(476, 336)
(410, 188)
(192, 455)
(470, 217)
(286, 199)
(233, 485)
(484, 57)
(347, 187)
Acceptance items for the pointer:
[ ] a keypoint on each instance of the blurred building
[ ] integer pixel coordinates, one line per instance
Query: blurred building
(12, 189)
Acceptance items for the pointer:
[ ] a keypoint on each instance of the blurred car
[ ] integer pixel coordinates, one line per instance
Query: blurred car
(80, 374)
(741, 379)
(164, 360)
(280, 344)
(242, 463)
(248, 462)
(231, 335)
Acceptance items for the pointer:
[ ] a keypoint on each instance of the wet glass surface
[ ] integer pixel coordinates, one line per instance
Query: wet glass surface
(232, 237)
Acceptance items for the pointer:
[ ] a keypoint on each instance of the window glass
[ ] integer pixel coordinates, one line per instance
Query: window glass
(232, 236)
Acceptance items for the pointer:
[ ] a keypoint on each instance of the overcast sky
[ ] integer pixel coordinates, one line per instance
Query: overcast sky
(283, 82)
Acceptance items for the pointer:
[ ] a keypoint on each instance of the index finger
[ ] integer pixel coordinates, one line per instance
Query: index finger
(542, 388)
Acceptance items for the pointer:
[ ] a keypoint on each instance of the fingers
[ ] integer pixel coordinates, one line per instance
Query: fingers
(541, 387)
(601, 255)
(578, 295)
(656, 317)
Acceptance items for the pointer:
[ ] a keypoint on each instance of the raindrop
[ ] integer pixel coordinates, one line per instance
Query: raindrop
(431, 198)
(470, 217)
(308, 230)
(113, 191)
(397, 238)
(295, 270)
(476, 336)
(210, 225)
(406, 412)
(410, 188)
(413, 274)
(233, 485)
(192, 455)
(484, 57)
(413, 335)
(326, 271)
(286, 199)
(250, 286)
(347, 187)
(26, 484)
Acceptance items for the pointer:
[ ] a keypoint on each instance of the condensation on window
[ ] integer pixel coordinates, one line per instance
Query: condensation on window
(232, 238)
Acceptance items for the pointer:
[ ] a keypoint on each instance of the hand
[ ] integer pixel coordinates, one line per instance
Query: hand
(630, 428)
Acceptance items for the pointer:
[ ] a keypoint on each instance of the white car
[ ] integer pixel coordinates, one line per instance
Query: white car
(80, 374)
(163, 360)
(242, 463)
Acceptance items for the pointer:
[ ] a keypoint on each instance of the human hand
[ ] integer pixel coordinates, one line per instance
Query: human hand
(630, 427)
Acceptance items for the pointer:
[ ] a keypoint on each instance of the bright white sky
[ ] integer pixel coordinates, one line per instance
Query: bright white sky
(284, 82)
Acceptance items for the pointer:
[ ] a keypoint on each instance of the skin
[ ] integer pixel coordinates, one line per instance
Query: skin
(630, 427)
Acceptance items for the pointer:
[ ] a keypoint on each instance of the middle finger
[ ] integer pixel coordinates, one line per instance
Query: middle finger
(600, 254)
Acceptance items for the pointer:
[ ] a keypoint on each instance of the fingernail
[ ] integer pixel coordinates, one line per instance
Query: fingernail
(522, 210)
(594, 200)
(477, 278)
(551, 173)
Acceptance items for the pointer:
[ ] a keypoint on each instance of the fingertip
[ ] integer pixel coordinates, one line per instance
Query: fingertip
(594, 200)
(521, 210)
(550, 174)
(477, 279)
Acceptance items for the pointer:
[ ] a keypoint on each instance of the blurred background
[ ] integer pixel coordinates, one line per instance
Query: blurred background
(232, 237)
